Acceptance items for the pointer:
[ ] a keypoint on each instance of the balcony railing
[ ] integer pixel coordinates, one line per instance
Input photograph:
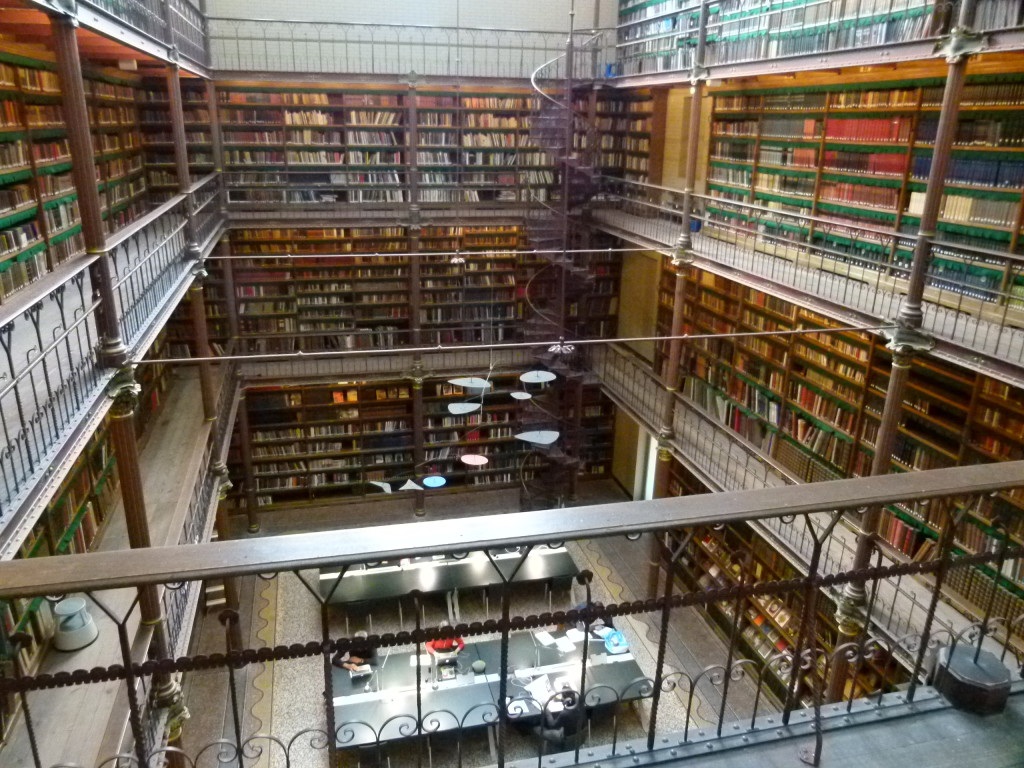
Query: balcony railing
(793, 35)
(178, 25)
(275, 45)
(730, 463)
(974, 298)
(722, 699)
(52, 374)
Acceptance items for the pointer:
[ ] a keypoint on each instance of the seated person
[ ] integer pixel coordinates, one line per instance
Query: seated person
(360, 653)
(597, 624)
(564, 717)
(445, 647)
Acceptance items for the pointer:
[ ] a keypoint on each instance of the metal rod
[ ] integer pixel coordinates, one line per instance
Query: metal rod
(425, 254)
(282, 356)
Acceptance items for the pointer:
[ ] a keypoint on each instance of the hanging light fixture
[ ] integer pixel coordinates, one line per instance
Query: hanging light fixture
(539, 437)
(537, 377)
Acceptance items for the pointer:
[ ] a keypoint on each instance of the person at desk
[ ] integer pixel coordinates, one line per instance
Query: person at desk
(446, 647)
(564, 718)
(359, 654)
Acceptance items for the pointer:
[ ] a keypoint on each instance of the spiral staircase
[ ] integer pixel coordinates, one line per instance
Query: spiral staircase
(563, 281)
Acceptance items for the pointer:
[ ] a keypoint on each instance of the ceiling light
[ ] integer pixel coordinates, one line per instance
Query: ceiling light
(470, 382)
(434, 481)
(537, 377)
(541, 436)
(460, 408)
(521, 395)
(474, 459)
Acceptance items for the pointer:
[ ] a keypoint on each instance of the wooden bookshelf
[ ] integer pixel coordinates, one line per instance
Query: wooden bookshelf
(289, 145)
(627, 140)
(860, 154)
(714, 559)
(317, 441)
(813, 403)
(39, 219)
(69, 525)
(157, 138)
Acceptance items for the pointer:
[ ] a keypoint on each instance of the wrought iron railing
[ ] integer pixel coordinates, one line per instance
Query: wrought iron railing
(146, 16)
(974, 296)
(177, 24)
(187, 25)
(51, 377)
(652, 39)
(723, 698)
(733, 464)
(277, 45)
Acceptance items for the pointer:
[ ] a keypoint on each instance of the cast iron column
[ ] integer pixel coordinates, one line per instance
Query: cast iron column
(907, 340)
(83, 169)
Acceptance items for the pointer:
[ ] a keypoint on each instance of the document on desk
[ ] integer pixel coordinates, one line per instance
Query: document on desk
(544, 638)
(574, 635)
(540, 689)
(565, 645)
(422, 658)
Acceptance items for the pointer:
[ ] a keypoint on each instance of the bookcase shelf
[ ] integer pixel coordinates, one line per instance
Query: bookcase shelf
(69, 525)
(335, 440)
(39, 216)
(861, 154)
(157, 138)
(347, 144)
(769, 625)
(814, 403)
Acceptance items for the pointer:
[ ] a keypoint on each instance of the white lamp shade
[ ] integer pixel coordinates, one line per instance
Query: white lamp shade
(409, 485)
(537, 377)
(471, 382)
(521, 395)
(460, 408)
(541, 436)
(474, 459)
(386, 487)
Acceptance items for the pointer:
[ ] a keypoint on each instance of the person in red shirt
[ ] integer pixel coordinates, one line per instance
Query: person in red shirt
(445, 645)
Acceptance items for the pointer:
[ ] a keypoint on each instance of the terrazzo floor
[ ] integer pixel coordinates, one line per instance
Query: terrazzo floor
(285, 698)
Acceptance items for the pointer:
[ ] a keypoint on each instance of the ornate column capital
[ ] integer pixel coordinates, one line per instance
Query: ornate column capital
(124, 390)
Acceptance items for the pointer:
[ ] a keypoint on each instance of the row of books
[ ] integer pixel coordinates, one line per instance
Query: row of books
(19, 237)
(979, 171)
(1003, 131)
(980, 94)
(1001, 213)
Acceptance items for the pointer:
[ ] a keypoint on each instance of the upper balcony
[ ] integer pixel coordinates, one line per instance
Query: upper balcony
(657, 41)
(170, 30)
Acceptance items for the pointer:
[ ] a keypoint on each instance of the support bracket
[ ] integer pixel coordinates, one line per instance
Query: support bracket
(905, 339)
(682, 253)
(960, 43)
(124, 390)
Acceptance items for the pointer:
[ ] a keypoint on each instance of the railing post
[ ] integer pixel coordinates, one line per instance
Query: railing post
(223, 528)
(417, 375)
(197, 301)
(698, 74)
(907, 339)
(670, 373)
(245, 450)
(76, 116)
(200, 334)
(124, 391)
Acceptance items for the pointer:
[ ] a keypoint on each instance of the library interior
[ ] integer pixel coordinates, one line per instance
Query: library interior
(645, 376)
